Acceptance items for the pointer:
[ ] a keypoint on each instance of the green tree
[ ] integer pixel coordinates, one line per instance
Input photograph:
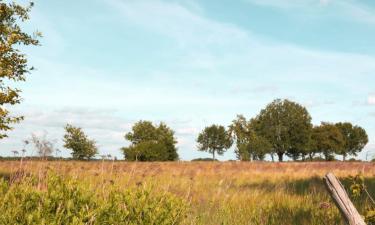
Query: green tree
(287, 126)
(214, 139)
(355, 138)
(151, 143)
(13, 63)
(146, 151)
(249, 144)
(327, 139)
(77, 141)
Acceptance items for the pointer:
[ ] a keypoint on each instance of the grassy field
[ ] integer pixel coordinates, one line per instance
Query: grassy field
(218, 193)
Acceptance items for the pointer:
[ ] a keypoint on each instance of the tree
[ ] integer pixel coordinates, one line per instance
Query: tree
(147, 151)
(15, 153)
(13, 63)
(77, 141)
(249, 144)
(355, 139)
(286, 125)
(214, 139)
(150, 142)
(44, 146)
(327, 139)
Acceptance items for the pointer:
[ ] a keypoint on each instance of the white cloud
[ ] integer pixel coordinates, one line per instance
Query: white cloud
(371, 99)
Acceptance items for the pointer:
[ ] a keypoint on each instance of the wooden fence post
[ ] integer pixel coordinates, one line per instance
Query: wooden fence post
(342, 201)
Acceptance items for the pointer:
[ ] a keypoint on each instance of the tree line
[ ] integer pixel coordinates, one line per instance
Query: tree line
(283, 128)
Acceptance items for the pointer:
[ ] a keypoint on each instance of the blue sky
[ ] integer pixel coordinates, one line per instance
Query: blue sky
(107, 64)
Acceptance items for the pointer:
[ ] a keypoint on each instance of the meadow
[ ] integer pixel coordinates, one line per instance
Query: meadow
(193, 192)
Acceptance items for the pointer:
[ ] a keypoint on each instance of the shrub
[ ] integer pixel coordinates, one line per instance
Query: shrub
(203, 159)
(67, 201)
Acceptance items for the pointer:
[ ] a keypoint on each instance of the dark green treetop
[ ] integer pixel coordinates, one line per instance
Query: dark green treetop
(214, 139)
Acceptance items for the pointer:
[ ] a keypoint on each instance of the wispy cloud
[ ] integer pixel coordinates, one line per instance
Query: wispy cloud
(205, 71)
(290, 4)
(343, 9)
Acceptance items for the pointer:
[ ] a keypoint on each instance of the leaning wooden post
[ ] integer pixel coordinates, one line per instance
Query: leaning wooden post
(342, 200)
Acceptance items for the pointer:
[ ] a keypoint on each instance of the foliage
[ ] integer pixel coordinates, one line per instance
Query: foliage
(13, 63)
(355, 139)
(359, 192)
(287, 126)
(214, 139)
(249, 144)
(203, 160)
(328, 139)
(76, 140)
(147, 151)
(67, 201)
(151, 143)
(45, 147)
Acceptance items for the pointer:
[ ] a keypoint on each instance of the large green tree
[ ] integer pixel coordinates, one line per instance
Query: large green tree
(13, 63)
(214, 139)
(287, 126)
(355, 138)
(327, 139)
(249, 144)
(150, 142)
(77, 141)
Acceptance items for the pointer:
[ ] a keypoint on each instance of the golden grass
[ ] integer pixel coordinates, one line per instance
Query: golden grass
(225, 192)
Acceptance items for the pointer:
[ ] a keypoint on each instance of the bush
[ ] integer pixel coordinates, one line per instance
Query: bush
(203, 159)
(66, 201)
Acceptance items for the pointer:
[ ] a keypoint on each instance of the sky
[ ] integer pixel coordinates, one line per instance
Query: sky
(105, 64)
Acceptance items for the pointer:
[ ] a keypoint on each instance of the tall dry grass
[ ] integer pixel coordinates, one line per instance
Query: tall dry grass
(222, 193)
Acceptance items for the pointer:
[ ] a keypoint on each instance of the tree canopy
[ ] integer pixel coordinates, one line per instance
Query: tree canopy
(249, 144)
(327, 139)
(355, 139)
(77, 141)
(214, 139)
(286, 125)
(13, 63)
(150, 142)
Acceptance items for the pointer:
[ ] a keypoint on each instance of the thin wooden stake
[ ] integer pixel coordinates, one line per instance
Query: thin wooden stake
(342, 201)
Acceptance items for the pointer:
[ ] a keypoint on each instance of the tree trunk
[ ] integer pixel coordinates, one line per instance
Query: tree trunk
(280, 155)
(344, 157)
(326, 156)
(213, 155)
(273, 159)
(311, 156)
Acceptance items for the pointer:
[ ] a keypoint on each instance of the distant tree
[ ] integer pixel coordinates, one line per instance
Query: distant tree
(13, 63)
(203, 160)
(287, 126)
(328, 139)
(249, 144)
(311, 150)
(44, 146)
(150, 142)
(15, 153)
(147, 151)
(77, 141)
(214, 139)
(355, 139)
